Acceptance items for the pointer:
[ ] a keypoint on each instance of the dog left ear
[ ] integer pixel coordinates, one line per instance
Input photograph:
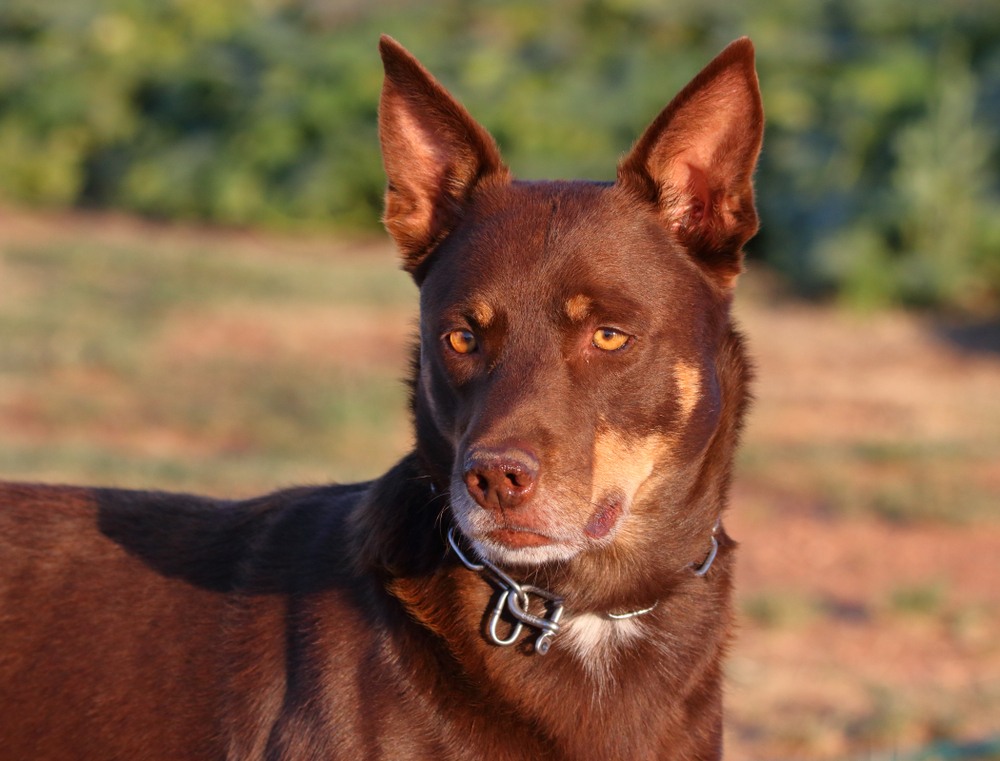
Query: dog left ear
(696, 161)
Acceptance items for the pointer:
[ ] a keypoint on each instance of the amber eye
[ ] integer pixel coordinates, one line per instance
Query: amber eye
(462, 341)
(609, 339)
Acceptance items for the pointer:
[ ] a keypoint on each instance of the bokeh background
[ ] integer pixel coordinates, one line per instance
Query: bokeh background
(194, 293)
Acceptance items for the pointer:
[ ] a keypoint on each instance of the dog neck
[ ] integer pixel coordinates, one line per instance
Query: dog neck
(411, 542)
(516, 599)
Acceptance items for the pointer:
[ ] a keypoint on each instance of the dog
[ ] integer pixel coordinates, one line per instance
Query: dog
(545, 576)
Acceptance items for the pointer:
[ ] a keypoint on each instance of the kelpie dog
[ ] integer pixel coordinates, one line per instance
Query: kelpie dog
(544, 577)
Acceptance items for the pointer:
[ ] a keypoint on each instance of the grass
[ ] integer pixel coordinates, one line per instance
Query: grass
(927, 599)
(114, 367)
(944, 481)
(772, 609)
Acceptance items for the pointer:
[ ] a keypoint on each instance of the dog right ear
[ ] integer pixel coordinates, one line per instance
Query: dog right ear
(433, 152)
(695, 162)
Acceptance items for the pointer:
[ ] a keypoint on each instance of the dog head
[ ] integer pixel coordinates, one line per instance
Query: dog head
(577, 384)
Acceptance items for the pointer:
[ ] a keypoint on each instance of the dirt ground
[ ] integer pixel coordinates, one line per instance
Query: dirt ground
(871, 627)
(867, 506)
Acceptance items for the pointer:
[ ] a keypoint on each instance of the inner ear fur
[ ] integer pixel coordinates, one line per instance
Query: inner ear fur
(433, 152)
(695, 162)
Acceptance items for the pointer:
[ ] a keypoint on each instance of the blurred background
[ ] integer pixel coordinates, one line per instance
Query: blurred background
(195, 294)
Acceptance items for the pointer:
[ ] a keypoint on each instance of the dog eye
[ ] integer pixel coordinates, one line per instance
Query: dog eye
(462, 341)
(609, 339)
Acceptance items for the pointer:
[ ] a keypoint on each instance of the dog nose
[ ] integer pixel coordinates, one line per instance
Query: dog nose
(500, 479)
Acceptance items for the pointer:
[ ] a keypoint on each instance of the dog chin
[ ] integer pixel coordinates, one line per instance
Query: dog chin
(506, 555)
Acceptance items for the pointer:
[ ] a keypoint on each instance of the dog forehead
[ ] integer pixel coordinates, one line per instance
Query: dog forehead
(559, 243)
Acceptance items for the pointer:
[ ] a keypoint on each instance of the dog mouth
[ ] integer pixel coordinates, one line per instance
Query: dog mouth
(502, 539)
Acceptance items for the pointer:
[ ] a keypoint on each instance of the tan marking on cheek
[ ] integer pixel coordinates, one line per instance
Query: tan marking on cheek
(578, 307)
(483, 314)
(688, 379)
(623, 464)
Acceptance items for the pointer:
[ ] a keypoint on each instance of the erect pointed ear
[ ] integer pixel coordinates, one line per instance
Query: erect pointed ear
(434, 155)
(696, 161)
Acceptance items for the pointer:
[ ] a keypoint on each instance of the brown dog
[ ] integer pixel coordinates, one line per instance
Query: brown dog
(544, 577)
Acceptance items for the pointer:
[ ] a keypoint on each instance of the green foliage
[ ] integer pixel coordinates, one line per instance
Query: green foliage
(878, 179)
(935, 236)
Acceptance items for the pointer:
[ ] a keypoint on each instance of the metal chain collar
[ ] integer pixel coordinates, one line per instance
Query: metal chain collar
(516, 598)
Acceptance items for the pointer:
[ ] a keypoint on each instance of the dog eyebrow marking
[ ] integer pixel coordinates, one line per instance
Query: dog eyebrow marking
(482, 313)
(578, 307)
(688, 379)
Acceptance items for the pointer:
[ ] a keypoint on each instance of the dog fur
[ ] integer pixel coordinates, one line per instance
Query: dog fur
(577, 395)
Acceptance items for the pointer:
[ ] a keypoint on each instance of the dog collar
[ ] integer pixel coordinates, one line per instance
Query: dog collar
(516, 598)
